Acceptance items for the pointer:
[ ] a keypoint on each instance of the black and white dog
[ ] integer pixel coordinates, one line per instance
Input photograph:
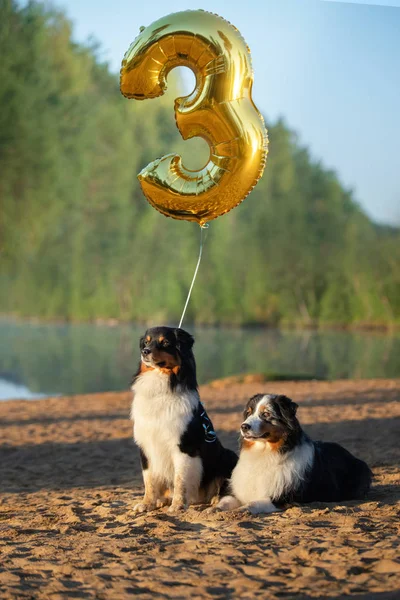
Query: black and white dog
(279, 464)
(180, 452)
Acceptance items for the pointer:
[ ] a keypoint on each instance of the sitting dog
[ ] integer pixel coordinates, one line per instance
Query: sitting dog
(179, 450)
(279, 464)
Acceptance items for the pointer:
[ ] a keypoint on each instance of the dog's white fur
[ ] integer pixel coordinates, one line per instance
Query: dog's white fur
(160, 418)
(262, 473)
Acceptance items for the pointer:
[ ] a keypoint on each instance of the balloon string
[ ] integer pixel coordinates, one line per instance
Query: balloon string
(202, 242)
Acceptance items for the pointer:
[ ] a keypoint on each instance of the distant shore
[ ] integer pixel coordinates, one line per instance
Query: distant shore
(288, 326)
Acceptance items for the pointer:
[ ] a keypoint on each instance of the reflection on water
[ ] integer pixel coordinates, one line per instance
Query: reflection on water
(74, 359)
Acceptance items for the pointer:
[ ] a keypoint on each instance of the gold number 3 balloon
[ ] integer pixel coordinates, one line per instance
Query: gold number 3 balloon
(220, 110)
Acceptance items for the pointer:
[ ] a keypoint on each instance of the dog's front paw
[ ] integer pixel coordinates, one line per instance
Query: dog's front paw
(228, 503)
(142, 507)
(161, 502)
(176, 508)
(260, 507)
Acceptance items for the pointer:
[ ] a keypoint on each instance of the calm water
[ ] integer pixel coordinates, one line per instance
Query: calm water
(38, 360)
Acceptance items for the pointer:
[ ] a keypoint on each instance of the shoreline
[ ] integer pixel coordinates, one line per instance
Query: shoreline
(222, 383)
(384, 328)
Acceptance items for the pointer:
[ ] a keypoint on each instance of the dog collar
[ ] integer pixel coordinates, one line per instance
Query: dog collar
(209, 433)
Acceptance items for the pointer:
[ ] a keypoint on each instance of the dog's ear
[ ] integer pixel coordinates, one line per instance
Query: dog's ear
(288, 405)
(288, 408)
(183, 338)
(187, 372)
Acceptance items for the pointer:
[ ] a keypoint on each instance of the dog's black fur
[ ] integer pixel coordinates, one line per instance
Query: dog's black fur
(334, 475)
(178, 343)
(168, 352)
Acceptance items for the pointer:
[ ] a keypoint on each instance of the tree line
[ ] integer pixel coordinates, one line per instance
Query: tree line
(79, 241)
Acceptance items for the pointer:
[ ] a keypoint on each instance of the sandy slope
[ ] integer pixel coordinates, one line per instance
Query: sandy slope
(70, 473)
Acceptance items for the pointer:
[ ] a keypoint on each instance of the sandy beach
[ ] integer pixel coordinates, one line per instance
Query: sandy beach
(70, 474)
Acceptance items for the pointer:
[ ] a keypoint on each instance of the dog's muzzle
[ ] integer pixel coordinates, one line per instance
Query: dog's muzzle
(147, 357)
(248, 432)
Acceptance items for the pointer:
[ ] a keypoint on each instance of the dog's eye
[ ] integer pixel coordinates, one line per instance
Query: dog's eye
(248, 412)
(165, 343)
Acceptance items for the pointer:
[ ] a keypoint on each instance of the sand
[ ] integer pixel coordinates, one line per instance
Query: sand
(70, 475)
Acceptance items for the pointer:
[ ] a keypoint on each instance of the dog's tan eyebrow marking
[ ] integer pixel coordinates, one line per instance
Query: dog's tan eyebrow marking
(148, 338)
(262, 406)
(161, 338)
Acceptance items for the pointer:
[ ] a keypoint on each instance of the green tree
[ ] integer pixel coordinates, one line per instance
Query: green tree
(79, 241)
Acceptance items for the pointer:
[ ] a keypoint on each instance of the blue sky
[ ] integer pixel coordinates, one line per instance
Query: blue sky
(331, 69)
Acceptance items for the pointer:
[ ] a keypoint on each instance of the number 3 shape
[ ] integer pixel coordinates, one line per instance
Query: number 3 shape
(220, 110)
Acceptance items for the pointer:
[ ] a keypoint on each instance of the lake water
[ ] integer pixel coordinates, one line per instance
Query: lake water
(37, 360)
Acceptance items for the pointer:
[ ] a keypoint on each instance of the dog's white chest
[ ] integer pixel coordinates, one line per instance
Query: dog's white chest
(263, 474)
(160, 418)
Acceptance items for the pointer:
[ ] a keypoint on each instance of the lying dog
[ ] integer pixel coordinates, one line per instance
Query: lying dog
(279, 464)
(180, 452)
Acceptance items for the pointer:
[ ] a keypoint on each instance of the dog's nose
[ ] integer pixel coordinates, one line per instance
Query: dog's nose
(245, 427)
(146, 351)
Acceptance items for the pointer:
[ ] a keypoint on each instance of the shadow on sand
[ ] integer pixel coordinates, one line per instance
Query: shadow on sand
(28, 468)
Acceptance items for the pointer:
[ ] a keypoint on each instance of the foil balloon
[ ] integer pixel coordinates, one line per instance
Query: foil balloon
(220, 110)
